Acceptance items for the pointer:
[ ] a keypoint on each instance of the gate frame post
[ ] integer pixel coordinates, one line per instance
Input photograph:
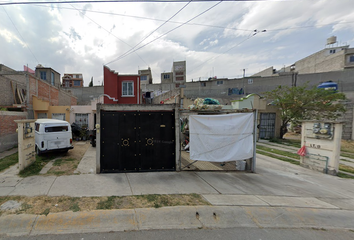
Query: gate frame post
(98, 138)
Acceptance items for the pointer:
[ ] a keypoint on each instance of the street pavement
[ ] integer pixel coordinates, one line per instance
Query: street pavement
(278, 195)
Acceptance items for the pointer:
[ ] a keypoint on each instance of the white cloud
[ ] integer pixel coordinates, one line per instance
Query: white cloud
(69, 40)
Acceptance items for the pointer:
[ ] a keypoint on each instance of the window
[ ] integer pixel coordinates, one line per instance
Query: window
(250, 81)
(37, 126)
(58, 116)
(203, 84)
(77, 83)
(43, 75)
(179, 73)
(179, 78)
(351, 58)
(57, 129)
(219, 82)
(166, 76)
(78, 76)
(127, 89)
(41, 115)
(67, 84)
(144, 78)
(52, 79)
(81, 119)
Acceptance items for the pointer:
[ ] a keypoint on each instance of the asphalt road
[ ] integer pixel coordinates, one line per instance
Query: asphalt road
(204, 234)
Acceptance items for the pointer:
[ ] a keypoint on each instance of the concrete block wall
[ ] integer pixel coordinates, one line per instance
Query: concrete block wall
(8, 135)
(86, 94)
(347, 119)
(167, 95)
(7, 98)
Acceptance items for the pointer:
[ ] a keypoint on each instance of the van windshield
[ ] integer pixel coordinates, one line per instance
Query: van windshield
(56, 129)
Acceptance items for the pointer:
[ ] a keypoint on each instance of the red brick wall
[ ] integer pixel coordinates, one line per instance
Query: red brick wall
(7, 124)
(73, 101)
(33, 88)
(43, 91)
(54, 96)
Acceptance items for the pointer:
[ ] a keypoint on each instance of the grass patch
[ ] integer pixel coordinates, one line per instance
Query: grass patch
(289, 142)
(279, 152)
(37, 166)
(343, 175)
(348, 155)
(285, 159)
(8, 161)
(347, 146)
(46, 212)
(346, 168)
(43, 205)
(58, 162)
(63, 166)
(75, 207)
(107, 204)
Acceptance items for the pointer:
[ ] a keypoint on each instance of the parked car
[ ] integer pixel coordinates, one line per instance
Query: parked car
(52, 135)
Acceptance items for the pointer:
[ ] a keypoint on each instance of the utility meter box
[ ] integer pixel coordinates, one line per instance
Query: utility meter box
(26, 143)
(322, 140)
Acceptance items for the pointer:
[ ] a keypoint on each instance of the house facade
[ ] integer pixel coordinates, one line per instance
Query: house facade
(145, 77)
(35, 97)
(48, 74)
(74, 80)
(121, 89)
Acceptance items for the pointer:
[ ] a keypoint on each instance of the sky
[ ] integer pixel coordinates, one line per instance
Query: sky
(215, 38)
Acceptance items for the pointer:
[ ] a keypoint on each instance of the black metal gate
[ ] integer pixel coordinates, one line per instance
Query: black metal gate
(267, 126)
(133, 141)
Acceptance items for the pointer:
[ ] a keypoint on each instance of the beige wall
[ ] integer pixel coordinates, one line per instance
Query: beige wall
(85, 109)
(60, 109)
(321, 62)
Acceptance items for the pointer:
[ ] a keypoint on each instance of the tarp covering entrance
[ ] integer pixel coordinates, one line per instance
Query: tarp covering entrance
(221, 138)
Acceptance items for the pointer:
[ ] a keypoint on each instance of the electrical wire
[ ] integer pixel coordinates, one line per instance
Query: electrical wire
(120, 57)
(238, 44)
(151, 19)
(109, 32)
(114, 1)
(156, 29)
(20, 35)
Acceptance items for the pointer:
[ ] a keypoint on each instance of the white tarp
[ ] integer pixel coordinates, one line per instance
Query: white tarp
(221, 138)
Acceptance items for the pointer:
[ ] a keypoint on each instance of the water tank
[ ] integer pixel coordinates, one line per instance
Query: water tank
(331, 40)
(329, 86)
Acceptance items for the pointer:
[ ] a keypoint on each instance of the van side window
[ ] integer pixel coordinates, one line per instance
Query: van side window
(57, 129)
(37, 126)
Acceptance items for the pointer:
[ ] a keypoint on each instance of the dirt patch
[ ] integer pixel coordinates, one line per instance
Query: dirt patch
(67, 163)
(43, 205)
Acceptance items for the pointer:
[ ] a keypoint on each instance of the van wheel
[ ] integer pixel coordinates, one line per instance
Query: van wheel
(38, 151)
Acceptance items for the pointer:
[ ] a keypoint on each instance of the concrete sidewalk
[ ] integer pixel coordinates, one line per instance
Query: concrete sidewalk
(278, 195)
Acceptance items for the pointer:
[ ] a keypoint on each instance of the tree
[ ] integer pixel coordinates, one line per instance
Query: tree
(91, 83)
(303, 103)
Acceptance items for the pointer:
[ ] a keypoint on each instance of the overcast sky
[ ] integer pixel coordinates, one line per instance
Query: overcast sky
(226, 38)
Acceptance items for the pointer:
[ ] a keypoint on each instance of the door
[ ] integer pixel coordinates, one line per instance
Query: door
(137, 141)
(267, 125)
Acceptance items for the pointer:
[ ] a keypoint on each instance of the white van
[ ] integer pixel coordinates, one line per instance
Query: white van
(52, 135)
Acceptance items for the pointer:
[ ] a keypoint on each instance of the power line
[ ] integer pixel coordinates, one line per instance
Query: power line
(110, 34)
(151, 19)
(120, 57)
(250, 36)
(114, 1)
(156, 29)
(20, 35)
